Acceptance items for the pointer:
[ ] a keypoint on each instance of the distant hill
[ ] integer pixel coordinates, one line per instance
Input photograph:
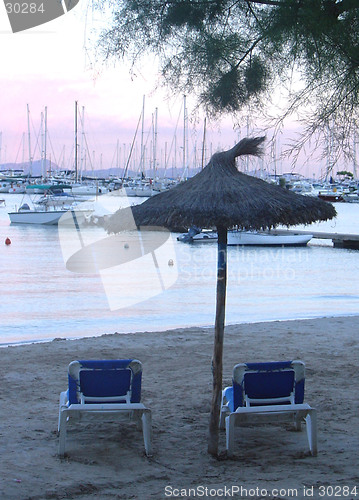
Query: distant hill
(36, 171)
(25, 167)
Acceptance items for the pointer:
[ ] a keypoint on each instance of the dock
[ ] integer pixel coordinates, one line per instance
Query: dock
(340, 240)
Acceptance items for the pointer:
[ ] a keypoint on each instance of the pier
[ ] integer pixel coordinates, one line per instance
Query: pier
(340, 240)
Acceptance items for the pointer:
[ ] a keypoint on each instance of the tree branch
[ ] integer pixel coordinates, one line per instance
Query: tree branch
(346, 5)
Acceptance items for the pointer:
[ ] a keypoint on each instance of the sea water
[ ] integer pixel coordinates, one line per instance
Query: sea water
(41, 299)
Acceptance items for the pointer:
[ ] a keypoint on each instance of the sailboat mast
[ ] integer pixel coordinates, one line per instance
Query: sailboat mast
(142, 161)
(42, 146)
(204, 141)
(155, 143)
(184, 135)
(118, 154)
(76, 172)
(174, 164)
(45, 140)
(29, 139)
(82, 149)
(354, 155)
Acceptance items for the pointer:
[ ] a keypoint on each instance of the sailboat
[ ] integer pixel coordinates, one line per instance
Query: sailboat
(47, 210)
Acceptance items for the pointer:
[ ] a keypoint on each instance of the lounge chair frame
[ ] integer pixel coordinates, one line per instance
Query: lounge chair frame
(103, 387)
(244, 404)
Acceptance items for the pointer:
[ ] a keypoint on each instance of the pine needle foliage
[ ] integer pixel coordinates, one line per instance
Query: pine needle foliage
(234, 53)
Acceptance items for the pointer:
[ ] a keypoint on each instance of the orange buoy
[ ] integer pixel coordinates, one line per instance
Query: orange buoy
(7, 241)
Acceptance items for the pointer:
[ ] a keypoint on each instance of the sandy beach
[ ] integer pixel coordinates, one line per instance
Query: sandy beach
(107, 461)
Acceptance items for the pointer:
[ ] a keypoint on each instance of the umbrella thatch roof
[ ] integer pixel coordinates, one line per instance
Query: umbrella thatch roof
(220, 195)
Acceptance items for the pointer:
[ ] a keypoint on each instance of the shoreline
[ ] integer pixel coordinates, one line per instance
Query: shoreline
(204, 327)
(107, 461)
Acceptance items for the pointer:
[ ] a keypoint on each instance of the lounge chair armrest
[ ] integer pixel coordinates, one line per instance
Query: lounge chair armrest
(107, 406)
(274, 408)
(227, 398)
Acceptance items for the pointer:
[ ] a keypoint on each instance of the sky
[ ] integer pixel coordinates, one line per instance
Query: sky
(53, 66)
(48, 66)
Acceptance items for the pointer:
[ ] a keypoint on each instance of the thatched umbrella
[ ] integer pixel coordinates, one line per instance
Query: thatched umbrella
(220, 196)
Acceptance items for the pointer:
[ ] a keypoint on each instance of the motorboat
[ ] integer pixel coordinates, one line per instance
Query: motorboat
(333, 193)
(242, 237)
(88, 189)
(238, 237)
(352, 197)
(58, 199)
(331, 196)
(27, 215)
(47, 215)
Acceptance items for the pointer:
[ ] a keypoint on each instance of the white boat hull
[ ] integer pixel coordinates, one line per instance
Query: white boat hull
(84, 190)
(254, 238)
(47, 218)
(258, 238)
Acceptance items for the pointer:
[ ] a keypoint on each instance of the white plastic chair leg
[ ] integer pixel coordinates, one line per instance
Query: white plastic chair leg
(147, 431)
(298, 422)
(222, 415)
(230, 434)
(222, 418)
(62, 431)
(311, 424)
(62, 404)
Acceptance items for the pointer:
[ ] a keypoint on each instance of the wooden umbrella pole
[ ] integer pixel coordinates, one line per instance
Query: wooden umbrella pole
(217, 363)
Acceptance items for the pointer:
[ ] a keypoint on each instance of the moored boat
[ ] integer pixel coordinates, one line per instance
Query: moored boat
(47, 215)
(27, 215)
(238, 237)
(241, 237)
(331, 196)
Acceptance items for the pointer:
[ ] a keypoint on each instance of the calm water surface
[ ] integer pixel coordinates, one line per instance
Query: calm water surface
(41, 299)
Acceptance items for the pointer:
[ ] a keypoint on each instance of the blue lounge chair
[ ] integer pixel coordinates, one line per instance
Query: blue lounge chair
(104, 387)
(264, 393)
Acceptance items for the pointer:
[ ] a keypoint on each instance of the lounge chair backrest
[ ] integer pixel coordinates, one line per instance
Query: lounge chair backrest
(96, 381)
(268, 383)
